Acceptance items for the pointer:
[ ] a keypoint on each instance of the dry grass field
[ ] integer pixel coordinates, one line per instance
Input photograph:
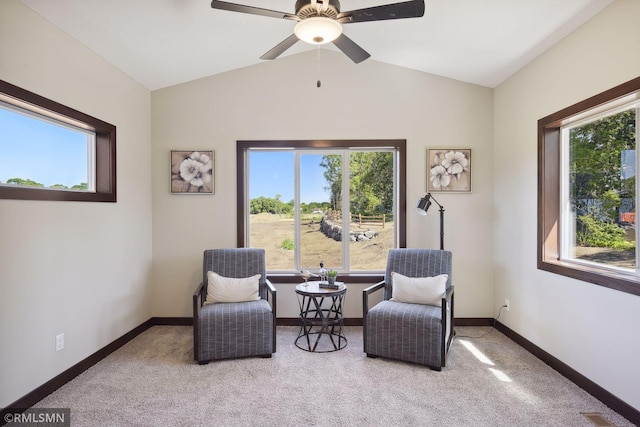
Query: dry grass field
(270, 231)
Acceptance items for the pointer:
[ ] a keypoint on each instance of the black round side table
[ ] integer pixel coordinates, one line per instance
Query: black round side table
(321, 315)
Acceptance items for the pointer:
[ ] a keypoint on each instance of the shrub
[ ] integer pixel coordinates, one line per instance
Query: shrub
(603, 234)
(287, 244)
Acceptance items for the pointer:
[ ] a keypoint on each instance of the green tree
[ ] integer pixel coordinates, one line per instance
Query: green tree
(332, 164)
(81, 186)
(596, 152)
(270, 205)
(24, 182)
(371, 181)
(596, 174)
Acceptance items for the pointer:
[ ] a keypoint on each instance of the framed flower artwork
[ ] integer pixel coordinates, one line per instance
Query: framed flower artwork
(192, 172)
(449, 170)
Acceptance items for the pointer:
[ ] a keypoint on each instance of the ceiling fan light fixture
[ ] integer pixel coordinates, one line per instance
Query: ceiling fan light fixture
(318, 30)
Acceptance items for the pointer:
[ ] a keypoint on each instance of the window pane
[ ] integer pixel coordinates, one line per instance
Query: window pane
(371, 200)
(320, 230)
(271, 222)
(602, 191)
(39, 152)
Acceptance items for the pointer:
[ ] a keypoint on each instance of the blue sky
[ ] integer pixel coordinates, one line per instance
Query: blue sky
(271, 173)
(37, 150)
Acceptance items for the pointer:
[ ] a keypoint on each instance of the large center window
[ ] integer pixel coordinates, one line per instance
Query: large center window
(335, 202)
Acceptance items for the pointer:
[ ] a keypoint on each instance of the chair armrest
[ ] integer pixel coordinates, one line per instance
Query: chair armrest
(198, 299)
(365, 297)
(271, 290)
(371, 289)
(447, 301)
(448, 319)
(448, 295)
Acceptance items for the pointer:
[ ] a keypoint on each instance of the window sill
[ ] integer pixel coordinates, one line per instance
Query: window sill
(620, 281)
(347, 278)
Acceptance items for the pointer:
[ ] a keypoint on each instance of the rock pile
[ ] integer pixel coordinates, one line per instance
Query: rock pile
(333, 230)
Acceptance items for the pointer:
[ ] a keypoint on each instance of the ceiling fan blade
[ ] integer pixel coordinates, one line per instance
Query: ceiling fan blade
(351, 49)
(233, 7)
(281, 47)
(407, 9)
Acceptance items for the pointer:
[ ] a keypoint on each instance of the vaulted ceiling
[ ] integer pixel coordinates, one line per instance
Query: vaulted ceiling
(161, 43)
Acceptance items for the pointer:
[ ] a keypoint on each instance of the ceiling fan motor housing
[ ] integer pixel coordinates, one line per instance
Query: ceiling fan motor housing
(320, 22)
(310, 8)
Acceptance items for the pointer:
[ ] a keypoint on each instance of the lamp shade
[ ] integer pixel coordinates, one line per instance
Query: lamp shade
(318, 30)
(423, 205)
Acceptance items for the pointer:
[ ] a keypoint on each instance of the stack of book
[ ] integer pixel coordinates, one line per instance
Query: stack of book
(327, 285)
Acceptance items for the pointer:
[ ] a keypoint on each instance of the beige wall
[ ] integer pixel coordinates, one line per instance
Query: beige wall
(590, 328)
(81, 269)
(280, 100)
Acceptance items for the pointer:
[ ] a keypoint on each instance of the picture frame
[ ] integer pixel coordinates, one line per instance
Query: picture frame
(192, 172)
(449, 170)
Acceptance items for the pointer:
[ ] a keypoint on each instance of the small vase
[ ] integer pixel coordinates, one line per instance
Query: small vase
(331, 280)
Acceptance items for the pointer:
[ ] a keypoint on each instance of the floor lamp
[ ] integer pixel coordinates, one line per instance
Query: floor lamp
(423, 207)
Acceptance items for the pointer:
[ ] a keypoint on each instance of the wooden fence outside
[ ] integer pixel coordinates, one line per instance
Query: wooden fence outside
(373, 220)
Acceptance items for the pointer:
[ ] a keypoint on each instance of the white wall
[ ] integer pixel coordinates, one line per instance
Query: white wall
(280, 100)
(82, 269)
(591, 328)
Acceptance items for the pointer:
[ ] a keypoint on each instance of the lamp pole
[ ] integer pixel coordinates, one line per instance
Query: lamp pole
(441, 227)
(441, 221)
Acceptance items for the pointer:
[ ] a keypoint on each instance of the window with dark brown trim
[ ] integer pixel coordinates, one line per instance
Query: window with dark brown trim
(550, 198)
(249, 152)
(102, 158)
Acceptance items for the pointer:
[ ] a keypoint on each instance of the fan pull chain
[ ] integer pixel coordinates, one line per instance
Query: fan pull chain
(319, 83)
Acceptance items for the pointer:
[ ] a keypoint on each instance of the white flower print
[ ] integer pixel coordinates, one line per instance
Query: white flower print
(439, 177)
(192, 172)
(449, 170)
(455, 162)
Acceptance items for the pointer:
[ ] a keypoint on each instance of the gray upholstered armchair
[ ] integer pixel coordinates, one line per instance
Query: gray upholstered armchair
(411, 332)
(224, 330)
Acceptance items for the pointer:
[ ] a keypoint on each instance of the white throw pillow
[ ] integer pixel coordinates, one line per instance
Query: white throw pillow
(228, 289)
(419, 290)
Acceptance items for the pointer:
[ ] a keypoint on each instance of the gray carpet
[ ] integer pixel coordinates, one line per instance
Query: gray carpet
(153, 381)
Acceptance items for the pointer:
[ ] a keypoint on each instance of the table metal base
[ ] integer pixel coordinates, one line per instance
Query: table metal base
(321, 315)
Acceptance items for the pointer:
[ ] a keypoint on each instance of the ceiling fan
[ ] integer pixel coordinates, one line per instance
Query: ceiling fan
(320, 22)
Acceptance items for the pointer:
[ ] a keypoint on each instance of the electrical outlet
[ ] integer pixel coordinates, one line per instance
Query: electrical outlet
(506, 303)
(59, 342)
